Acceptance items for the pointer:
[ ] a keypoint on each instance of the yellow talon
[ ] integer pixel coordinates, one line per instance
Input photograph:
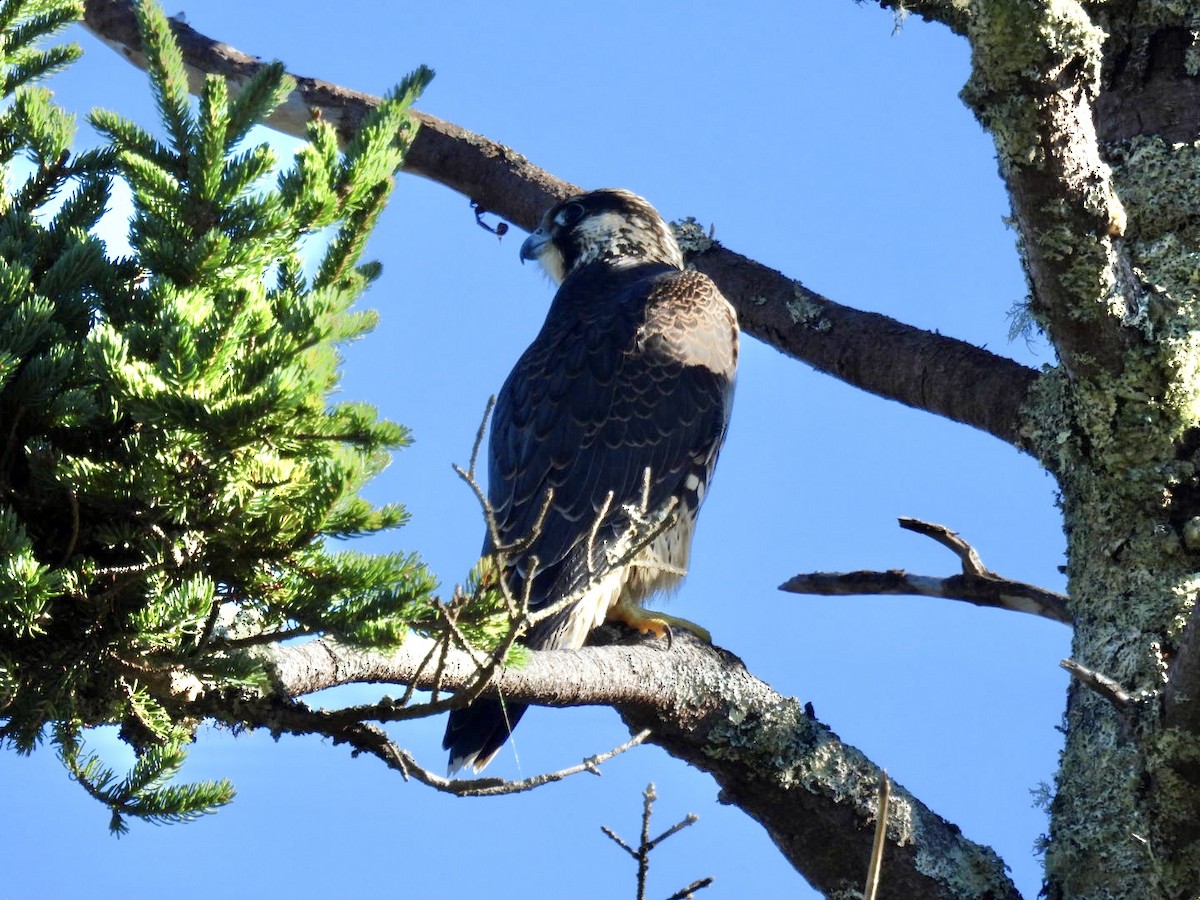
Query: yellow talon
(657, 623)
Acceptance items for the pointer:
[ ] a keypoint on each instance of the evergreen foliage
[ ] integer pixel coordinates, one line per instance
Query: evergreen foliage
(172, 472)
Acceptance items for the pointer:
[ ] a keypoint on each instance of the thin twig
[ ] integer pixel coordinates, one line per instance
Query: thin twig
(366, 738)
(487, 412)
(620, 843)
(594, 532)
(1106, 687)
(646, 479)
(689, 819)
(524, 542)
(204, 638)
(885, 794)
(440, 671)
(687, 892)
(411, 687)
(642, 854)
(971, 563)
(257, 640)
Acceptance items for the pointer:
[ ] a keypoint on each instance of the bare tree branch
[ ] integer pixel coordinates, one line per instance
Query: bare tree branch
(770, 757)
(1106, 687)
(873, 352)
(967, 555)
(996, 593)
(688, 892)
(642, 854)
(921, 369)
(976, 584)
(287, 715)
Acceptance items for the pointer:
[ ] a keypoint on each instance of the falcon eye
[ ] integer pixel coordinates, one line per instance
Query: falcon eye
(569, 214)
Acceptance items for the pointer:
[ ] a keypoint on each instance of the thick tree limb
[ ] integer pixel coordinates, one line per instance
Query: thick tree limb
(977, 584)
(881, 355)
(768, 755)
(1038, 103)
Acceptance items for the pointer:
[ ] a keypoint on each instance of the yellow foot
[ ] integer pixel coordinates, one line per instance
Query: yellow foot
(657, 623)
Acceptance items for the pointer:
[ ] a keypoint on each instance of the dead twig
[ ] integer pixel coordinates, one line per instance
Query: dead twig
(1106, 687)
(365, 738)
(642, 854)
(971, 563)
(885, 794)
(977, 584)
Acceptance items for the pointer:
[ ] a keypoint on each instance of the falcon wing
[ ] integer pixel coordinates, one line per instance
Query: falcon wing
(633, 370)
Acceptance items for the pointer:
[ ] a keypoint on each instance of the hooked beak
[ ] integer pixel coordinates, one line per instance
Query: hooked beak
(535, 245)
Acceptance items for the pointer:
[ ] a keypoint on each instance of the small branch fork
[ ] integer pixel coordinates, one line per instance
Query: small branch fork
(642, 854)
(976, 584)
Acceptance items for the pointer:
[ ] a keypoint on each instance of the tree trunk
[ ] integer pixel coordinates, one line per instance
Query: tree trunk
(1088, 114)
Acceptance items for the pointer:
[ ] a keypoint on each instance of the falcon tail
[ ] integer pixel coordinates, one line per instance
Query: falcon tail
(475, 734)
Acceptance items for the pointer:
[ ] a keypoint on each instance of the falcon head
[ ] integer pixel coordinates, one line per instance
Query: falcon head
(611, 225)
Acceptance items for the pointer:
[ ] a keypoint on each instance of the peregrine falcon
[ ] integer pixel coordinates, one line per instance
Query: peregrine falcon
(617, 410)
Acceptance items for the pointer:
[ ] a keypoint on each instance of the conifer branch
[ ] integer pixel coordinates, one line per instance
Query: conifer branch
(149, 457)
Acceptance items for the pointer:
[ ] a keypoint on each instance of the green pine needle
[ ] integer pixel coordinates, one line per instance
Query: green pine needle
(174, 470)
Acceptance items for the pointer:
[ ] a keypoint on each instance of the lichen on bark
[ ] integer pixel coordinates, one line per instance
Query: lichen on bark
(1109, 233)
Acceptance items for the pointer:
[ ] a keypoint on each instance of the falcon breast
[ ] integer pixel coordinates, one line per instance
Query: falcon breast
(616, 412)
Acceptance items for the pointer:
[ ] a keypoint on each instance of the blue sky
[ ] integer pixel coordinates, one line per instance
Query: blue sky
(813, 139)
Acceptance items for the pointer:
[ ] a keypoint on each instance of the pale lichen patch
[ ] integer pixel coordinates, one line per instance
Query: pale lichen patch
(1013, 42)
(692, 237)
(804, 311)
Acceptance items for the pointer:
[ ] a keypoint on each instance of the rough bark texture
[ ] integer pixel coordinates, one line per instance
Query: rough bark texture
(1106, 206)
(878, 354)
(1034, 78)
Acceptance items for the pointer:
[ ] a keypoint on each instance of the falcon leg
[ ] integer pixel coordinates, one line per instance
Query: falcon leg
(657, 623)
